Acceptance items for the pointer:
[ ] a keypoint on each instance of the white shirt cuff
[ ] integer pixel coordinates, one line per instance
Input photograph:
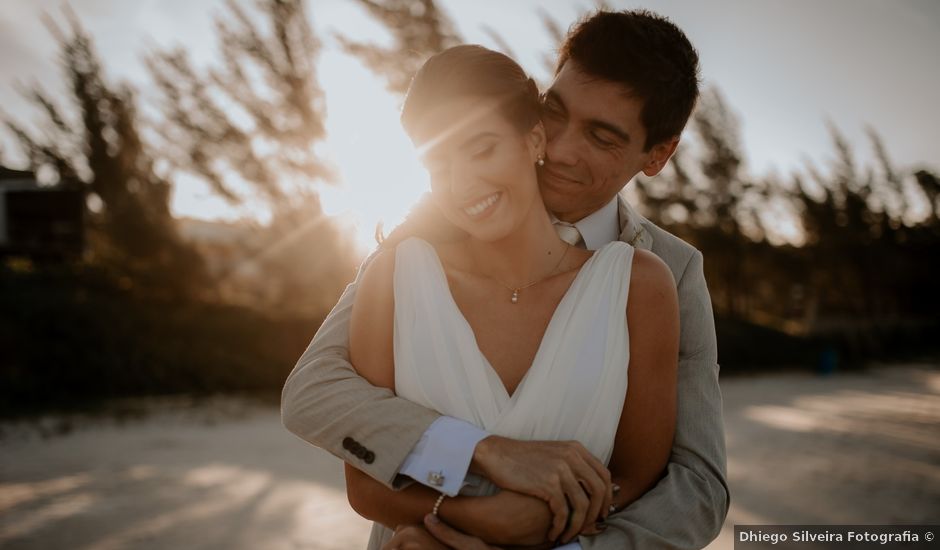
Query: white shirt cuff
(442, 456)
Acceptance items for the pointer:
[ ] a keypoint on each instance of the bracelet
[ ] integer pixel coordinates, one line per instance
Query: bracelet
(437, 505)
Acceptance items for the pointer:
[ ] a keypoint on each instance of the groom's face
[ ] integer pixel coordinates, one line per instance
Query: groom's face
(595, 143)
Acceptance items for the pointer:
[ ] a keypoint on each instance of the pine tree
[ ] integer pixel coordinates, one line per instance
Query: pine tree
(249, 128)
(419, 29)
(100, 149)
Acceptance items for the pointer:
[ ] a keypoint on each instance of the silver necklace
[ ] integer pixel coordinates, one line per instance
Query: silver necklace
(514, 298)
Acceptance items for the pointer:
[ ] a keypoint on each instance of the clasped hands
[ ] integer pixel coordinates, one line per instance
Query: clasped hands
(551, 491)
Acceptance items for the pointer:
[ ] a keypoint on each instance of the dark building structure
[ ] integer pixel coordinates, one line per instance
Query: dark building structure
(44, 223)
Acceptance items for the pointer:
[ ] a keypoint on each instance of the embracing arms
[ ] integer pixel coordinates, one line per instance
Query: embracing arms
(325, 401)
(645, 431)
(328, 404)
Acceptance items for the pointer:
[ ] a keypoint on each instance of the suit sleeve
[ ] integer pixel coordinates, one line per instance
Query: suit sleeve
(326, 403)
(687, 508)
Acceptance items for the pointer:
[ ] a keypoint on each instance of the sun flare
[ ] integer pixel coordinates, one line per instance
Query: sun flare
(380, 177)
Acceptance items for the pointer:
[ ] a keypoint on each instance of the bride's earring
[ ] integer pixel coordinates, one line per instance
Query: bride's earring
(540, 161)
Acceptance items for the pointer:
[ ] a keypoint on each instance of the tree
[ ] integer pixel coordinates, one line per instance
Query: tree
(249, 128)
(132, 231)
(258, 117)
(419, 29)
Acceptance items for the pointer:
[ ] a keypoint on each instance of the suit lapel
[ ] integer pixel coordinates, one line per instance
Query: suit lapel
(633, 230)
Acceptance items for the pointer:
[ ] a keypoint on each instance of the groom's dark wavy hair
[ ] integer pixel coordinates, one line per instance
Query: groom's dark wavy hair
(647, 54)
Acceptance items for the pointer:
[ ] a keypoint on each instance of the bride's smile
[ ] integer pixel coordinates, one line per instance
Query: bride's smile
(477, 209)
(481, 166)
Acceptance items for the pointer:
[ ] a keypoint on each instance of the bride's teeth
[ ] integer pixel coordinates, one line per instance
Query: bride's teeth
(482, 205)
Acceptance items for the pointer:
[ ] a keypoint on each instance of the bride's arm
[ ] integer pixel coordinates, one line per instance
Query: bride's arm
(371, 353)
(648, 421)
(507, 518)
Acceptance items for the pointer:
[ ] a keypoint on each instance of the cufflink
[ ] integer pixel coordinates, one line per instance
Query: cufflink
(436, 478)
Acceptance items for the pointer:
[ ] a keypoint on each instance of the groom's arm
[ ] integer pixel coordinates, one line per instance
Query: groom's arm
(326, 403)
(687, 508)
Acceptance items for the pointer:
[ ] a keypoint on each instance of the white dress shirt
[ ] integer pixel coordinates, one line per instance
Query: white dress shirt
(600, 227)
(441, 458)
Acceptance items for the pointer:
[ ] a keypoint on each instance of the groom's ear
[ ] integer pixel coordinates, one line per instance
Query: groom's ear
(659, 155)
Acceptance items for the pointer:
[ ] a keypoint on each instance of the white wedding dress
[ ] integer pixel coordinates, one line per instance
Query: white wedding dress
(575, 387)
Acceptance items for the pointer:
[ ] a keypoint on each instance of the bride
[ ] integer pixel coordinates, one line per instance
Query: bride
(489, 316)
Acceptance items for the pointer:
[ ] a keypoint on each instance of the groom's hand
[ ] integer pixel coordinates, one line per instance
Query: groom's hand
(453, 538)
(414, 537)
(558, 472)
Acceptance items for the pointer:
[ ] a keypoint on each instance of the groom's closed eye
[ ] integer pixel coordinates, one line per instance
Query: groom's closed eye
(602, 133)
(604, 137)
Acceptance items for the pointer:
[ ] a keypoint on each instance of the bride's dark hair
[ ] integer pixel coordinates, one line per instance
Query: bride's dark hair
(472, 71)
(462, 71)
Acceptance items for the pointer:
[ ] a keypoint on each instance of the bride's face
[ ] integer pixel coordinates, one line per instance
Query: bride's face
(482, 168)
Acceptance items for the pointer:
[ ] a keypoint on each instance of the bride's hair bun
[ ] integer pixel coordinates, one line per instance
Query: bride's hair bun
(471, 70)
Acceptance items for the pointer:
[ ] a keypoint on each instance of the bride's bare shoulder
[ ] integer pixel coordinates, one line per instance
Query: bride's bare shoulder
(650, 269)
(371, 321)
(652, 287)
(379, 270)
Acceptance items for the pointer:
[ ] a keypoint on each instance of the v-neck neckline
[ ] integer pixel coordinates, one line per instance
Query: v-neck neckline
(510, 397)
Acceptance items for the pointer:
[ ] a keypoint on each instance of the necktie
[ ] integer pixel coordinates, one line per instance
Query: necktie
(568, 233)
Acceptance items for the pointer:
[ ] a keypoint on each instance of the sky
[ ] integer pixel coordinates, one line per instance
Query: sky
(785, 67)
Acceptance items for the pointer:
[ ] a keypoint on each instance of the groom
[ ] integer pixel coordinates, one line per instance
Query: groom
(624, 88)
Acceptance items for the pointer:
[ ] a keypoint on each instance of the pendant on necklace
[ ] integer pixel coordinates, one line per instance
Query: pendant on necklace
(515, 296)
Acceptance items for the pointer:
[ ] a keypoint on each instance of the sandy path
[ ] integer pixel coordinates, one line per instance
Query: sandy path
(844, 449)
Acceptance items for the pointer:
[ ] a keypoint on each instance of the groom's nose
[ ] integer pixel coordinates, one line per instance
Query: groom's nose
(563, 146)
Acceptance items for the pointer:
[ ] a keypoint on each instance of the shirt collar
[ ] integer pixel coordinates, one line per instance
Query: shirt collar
(600, 227)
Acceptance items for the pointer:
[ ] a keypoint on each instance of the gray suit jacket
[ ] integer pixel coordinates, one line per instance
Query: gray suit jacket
(327, 404)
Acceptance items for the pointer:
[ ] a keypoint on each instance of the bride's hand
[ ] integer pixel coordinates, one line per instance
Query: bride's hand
(556, 472)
